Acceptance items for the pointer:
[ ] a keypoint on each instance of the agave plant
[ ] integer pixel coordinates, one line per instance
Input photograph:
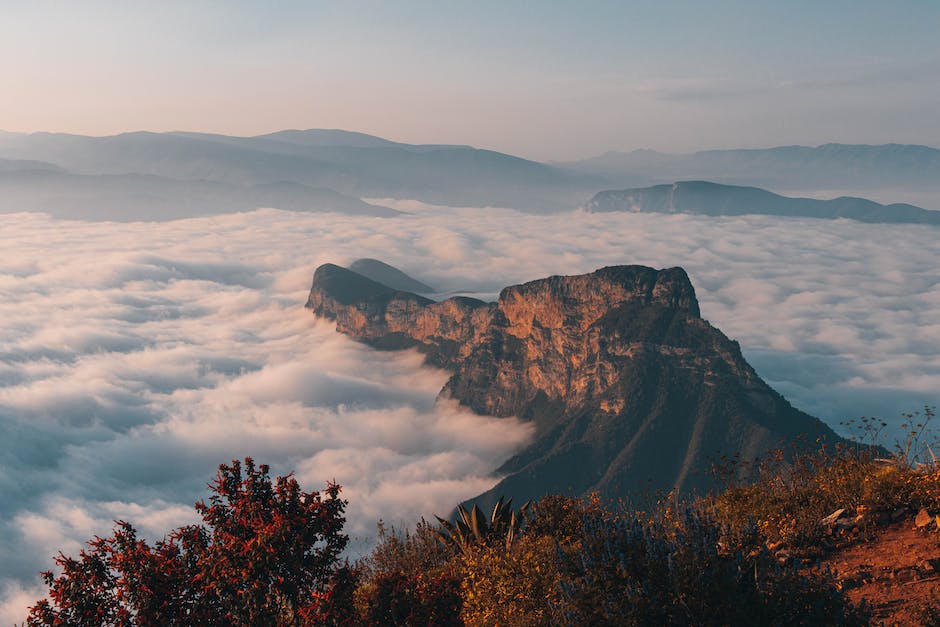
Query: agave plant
(472, 527)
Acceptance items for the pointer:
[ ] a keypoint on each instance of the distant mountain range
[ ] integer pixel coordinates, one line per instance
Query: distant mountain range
(629, 389)
(126, 197)
(712, 199)
(145, 175)
(353, 164)
(826, 167)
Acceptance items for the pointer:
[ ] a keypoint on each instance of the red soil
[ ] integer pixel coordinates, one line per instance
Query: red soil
(896, 572)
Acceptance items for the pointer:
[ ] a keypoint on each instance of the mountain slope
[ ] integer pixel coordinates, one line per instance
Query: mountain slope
(629, 389)
(350, 163)
(21, 165)
(388, 275)
(713, 199)
(147, 197)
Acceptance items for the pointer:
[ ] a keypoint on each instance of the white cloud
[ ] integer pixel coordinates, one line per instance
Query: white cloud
(134, 358)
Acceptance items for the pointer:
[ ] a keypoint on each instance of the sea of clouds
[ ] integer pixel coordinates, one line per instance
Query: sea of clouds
(136, 357)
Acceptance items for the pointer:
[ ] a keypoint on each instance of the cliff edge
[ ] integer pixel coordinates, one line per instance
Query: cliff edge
(629, 389)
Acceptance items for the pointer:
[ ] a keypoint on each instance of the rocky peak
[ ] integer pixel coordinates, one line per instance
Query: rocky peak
(579, 301)
(388, 275)
(345, 286)
(630, 390)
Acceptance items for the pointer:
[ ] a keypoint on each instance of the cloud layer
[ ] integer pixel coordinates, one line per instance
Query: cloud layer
(134, 358)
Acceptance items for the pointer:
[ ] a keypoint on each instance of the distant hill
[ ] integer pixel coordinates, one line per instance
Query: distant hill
(364, 166)
(826, 167)
(351, 163)
(389, 275)
(129, 197)
(713, 199)
(630, 391)
(23, 165)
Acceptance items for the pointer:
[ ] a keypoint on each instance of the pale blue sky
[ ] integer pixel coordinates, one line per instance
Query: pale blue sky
(548, 80)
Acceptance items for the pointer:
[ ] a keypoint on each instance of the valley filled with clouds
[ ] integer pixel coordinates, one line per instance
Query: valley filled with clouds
(136, 357)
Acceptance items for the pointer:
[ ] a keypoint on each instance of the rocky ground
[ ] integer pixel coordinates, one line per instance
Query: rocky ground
(895, 569)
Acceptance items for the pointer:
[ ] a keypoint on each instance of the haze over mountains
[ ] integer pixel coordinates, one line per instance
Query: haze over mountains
(349, 163)
(712, 199)
(151, 176)
(891, 167)
(126, 197)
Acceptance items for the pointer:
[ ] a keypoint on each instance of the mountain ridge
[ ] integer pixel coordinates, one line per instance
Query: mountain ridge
(353, 164)
(129, 197)
(715, 199)
(891, 171)
(628, 388)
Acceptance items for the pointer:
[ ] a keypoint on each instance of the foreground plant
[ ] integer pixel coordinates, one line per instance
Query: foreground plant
(267, 554)
(471, 527)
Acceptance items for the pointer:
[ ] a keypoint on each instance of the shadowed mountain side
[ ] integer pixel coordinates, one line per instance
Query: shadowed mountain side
(713, 199)
(351, 163)
(389, 275)
(629, 389)
(135, 197)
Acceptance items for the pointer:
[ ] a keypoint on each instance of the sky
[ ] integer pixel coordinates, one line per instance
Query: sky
(545, 80)
(135, 357)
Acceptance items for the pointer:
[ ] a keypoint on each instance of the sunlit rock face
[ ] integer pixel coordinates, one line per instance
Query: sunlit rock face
(630, 390)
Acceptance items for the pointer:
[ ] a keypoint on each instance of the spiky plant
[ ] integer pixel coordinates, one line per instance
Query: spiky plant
(472, 527)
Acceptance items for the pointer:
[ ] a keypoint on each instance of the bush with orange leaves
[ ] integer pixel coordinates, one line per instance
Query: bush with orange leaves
(518, 586)
(788, 496)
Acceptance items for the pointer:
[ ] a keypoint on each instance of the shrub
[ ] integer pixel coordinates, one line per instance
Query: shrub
(409, 552)
(397, 598)
(268, 554)
(514, 587)
(634, 572)
(407, 579)
(560, 517)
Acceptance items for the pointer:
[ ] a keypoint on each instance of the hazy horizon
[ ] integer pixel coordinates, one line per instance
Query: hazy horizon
(418, 141)
(546, 81)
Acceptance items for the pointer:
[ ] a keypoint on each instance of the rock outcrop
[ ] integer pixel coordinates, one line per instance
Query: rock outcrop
(629, 389)
(388, 275)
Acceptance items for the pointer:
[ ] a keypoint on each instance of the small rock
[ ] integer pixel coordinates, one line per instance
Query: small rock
(926, 569)
(923, 519)
(905, 573)
(831, 519)
(844, 525)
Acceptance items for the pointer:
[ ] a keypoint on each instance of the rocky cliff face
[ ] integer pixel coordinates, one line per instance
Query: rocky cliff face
(629, 388)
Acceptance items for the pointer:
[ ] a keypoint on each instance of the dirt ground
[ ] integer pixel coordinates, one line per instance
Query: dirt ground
(895, 572)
